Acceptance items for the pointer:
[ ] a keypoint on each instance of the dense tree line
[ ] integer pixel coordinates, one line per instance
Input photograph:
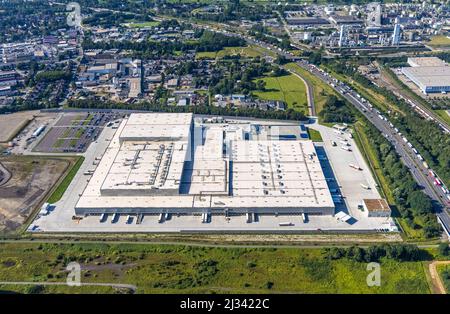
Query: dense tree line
(211, 41)
(262, 33)
(52, 76)
(397, 252)
(109, 19)
(203, 109)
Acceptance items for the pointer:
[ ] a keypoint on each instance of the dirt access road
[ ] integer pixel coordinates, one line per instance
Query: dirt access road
(438, 285)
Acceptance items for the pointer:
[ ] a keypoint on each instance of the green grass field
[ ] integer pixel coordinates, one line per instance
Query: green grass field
(444, 115)
(439, 42)
(62, 187)
(184, 269)
(321, 91)
(314, 135)
(251, 52)
(143, 24)
(444, 272)
(287, 88)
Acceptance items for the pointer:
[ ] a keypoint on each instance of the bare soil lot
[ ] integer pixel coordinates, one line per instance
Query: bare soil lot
(11, 124)
(31, 180)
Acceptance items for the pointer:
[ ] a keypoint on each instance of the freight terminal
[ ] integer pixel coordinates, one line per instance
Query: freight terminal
(172, 163)
(430, 74)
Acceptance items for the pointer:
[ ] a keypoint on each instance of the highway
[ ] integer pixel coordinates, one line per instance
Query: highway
(406, 153)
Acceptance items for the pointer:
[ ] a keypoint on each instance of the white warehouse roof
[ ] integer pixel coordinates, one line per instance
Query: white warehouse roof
(148, 166)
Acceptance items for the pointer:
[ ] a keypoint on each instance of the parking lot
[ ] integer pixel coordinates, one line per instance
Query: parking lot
(351, 177)
(73, 132)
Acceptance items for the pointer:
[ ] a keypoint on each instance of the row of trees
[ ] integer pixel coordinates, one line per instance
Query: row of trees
(411, 202)
(211, 41)
(262, 33)
(398, 252)
(53, 76)
(203, 109)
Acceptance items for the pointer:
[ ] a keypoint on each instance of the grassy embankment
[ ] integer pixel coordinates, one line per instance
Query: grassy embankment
(314, 135)
(400, 85)
(377, 99)
(184, 269)
(321, 90)
(62, 187)
(444, 273)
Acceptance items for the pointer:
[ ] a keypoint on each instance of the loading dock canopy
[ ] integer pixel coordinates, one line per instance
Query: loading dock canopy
(341, 216)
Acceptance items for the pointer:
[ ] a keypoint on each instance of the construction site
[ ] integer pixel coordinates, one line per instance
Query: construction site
(24, 182)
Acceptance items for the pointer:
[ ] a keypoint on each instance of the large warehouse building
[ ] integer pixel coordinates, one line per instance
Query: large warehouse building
(430, 74)
(169, 163)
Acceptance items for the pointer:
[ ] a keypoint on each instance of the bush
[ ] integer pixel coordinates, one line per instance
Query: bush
(444, 249)
(269, 285)
(36, 289)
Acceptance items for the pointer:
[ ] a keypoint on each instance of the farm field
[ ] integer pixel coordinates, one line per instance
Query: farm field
(287, 88)
(185, 269)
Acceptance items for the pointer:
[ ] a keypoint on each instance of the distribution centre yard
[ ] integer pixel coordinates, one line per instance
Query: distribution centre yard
(186, 269)
(287, 88)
